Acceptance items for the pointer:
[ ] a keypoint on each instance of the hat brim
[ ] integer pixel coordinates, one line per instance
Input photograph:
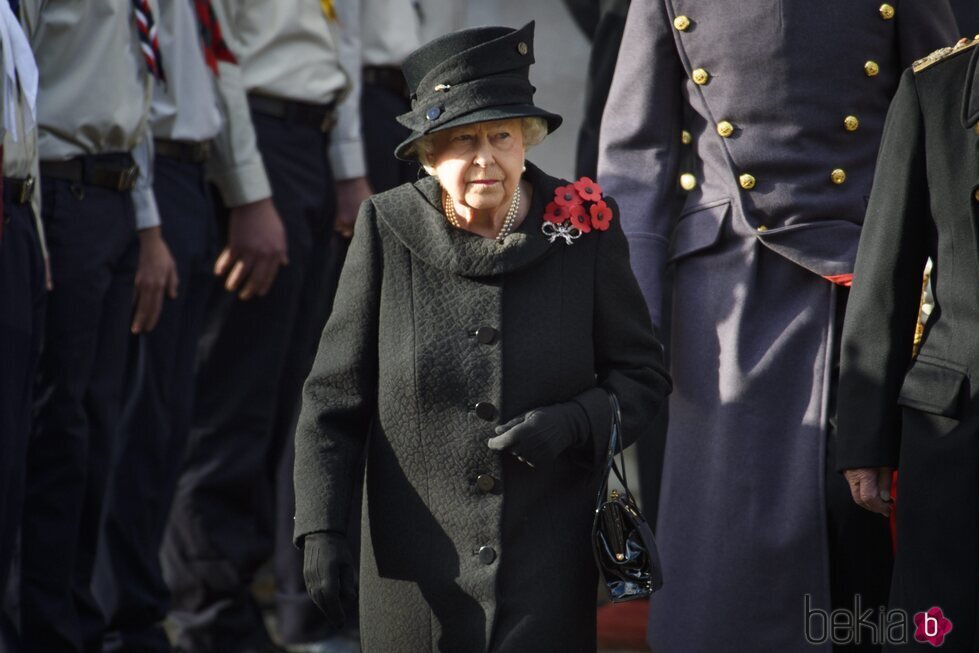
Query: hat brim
(482, 115)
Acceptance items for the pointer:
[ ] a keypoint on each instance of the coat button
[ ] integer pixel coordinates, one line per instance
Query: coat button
(976, 195)
(487, 555)
(486, 335)
(688, 181)
(886, 11)
(761, 229)
(747, 181)
(700, 76)
(486, 483)
(682, 23)
(838, 176)
(485, 410)
(686, 137)
(522, 48)
(433, 113)
(725, 129)
(871, 68)
(850, 123)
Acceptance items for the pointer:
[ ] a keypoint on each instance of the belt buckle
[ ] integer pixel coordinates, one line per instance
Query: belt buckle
(26, 190)
(127, 178)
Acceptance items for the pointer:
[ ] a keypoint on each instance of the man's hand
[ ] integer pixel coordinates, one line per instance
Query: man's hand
(871, 488)
(255, 250)
(156, 274)
(351, 193)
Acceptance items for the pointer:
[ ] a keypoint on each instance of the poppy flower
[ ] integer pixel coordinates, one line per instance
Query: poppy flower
(601, 216)
(555, 213)
(588, 190)
(567, 196)
(579, 218)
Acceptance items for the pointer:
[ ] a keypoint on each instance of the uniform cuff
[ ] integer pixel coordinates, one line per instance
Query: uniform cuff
(347, 159)
(242, 185)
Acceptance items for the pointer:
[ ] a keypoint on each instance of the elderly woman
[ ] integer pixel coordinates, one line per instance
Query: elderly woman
(483, 316)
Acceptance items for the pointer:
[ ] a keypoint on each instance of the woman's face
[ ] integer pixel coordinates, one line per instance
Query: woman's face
(480, 165)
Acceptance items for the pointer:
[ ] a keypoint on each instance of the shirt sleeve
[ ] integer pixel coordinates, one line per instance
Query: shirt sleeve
(147, 213)
(346, 144)
(236, 167)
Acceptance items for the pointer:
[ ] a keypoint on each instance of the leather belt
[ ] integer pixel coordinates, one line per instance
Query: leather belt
(113, 171)
(387, 77)
(19, 191)
(184, 151)
(321, 117)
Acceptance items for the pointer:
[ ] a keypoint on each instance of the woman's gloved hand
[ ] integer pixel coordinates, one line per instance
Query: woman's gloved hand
(540, 435)
(328, 570)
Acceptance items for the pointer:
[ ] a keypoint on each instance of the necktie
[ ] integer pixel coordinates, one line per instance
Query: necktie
(148, 42)
(215, 49)
(15, 7)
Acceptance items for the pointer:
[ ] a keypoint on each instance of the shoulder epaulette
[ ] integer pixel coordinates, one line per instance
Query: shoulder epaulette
(944, 53)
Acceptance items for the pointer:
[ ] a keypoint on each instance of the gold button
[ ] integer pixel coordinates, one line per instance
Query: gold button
(977, 195)
(977, 127)
(838, 176)
(886, 11)
(701, 76)
(688, 181)
(725, 129)
(522, 48)
(686, 137)
(762, 228)
(682, 23)
(871, 68)
(747, 181)
(850, 123)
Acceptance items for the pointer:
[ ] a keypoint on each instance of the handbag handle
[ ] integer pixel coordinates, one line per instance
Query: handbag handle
(613, 443)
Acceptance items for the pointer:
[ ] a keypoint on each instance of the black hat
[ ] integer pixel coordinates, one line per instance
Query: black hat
(471, 76)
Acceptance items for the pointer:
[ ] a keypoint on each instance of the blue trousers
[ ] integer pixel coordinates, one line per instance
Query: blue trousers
(22, 303)
(91, 235)
(156, 416)
(251, 362)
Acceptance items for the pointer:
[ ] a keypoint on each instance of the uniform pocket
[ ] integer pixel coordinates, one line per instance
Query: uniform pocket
(698, 229)
(934, 386)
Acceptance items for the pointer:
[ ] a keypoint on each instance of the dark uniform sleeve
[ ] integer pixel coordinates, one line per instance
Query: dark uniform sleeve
(340, 395)
(878, 332)
(923, 27)
(628, 357)
(639, 157)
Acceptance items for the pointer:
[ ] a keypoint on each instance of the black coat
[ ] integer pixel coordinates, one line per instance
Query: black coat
(451, 562)
(922, 415)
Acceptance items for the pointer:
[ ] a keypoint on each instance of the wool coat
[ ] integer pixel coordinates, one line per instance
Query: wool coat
(437, 336)
(783, 103)
(922, 415)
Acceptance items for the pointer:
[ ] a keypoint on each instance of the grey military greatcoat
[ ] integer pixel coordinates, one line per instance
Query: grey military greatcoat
(785, 102)
(436, 337)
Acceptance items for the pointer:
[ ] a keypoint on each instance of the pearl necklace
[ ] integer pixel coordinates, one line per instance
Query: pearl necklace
(511, 214)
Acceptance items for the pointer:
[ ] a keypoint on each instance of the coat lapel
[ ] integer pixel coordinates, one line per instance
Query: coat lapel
(414, 214)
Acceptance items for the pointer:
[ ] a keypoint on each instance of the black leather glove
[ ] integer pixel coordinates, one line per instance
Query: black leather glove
(540, 435)
(328, 569)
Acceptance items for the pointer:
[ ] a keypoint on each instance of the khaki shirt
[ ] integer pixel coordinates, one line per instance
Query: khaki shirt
(94, 94)
(287, 49)
(195, 106)
(391, 31)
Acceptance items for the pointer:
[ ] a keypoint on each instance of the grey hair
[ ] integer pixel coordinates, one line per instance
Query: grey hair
(534, 130)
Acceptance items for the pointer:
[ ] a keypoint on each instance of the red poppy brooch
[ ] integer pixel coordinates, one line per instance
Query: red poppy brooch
(577, 209)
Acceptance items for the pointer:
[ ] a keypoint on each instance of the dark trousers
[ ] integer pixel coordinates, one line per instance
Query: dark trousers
(379, 106)
(92, 239)
(249, 357)
(860, 553)
(155, 420)
(22, 303)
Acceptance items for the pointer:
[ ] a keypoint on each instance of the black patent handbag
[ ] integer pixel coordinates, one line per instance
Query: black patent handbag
(625, 550)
